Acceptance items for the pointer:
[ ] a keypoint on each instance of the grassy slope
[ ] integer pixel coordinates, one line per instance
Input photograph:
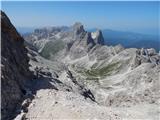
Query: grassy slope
(98, 73)
(51, 48)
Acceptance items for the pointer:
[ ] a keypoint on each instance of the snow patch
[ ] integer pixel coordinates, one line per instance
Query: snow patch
(93, 35)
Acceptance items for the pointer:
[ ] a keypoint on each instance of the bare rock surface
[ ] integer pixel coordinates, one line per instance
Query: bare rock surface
(15, 68)
(117, 97)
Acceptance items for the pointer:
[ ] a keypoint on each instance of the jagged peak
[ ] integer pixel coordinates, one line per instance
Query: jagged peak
(77, 24)
(78, 28)
(97, 37)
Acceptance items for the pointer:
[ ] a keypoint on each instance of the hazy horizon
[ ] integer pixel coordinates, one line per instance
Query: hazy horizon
(139, 17)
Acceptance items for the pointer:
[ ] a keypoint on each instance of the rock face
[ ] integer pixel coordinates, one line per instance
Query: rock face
(98, 37)
(14, 66)
(147, 56)
(78, 28)
(84, 41)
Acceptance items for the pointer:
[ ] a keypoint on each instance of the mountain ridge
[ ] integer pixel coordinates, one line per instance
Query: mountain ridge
(128, 39)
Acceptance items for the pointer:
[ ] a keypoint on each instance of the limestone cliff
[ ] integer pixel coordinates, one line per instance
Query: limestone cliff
(14, 68)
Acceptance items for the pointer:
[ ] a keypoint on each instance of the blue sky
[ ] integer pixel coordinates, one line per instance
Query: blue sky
(134, 16)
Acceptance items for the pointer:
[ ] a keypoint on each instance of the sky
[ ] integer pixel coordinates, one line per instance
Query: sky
(135, 16)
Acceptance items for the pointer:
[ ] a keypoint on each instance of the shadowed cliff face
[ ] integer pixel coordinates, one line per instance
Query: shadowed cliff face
(14, 66)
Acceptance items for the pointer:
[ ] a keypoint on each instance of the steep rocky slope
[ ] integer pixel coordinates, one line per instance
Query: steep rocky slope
(14, 68)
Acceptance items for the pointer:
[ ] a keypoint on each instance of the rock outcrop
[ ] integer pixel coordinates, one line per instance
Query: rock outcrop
(98, 37)
(78, 28)
(147, 56)
(84, 41)
(14, 68)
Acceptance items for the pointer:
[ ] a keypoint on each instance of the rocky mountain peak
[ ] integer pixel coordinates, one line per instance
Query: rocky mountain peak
(98, 37)
(90, 37)
(78, 28)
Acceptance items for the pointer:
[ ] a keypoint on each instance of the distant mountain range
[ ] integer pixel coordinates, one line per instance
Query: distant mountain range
(126, 39)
